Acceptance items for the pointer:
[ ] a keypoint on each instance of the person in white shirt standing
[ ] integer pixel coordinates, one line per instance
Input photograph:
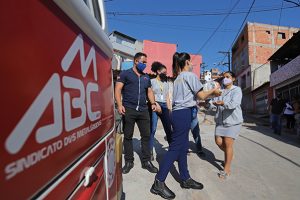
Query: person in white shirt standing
(289, 113)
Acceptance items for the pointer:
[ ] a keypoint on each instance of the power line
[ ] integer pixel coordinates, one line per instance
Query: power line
(189, 14)
(279, 21)
(171, 26)
(205, 43)
(183, 27)
(199, 10)
(298, 4)
(221, 44)
(242, 25)
(223, 59)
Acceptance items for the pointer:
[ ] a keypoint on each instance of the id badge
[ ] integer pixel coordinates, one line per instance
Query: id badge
(162, 97)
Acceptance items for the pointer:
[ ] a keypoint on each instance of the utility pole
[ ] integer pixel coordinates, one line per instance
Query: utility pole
(228, 57)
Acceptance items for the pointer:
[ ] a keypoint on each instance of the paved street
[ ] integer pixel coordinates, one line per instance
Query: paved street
(265, 166)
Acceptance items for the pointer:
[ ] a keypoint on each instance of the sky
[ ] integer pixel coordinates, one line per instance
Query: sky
(197, 26)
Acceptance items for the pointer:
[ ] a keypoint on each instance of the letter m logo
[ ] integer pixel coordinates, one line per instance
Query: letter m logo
(85, 63)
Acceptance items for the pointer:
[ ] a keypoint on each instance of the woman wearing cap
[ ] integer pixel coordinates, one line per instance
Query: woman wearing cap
(229, 119)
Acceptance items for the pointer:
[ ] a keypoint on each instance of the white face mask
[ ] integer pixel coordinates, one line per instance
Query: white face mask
(227, 81)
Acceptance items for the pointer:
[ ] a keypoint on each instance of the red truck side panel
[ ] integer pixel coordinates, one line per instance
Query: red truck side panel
(57, 97)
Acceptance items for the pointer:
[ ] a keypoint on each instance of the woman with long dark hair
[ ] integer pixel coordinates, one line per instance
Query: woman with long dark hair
(187, 88)
(229, 119)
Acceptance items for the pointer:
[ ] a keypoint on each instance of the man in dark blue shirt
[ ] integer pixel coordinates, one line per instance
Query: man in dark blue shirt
(276, 107)
(134, 86)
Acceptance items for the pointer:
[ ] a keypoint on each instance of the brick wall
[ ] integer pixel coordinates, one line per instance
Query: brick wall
(254, 46)
(259, 41)
(262, 54)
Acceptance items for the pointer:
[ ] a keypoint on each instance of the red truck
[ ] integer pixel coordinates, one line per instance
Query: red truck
(58, 138)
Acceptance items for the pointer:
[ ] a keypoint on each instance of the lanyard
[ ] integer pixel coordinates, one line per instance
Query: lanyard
(161, 86)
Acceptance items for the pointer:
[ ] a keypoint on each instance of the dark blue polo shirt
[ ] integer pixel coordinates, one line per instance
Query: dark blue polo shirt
(134, 92)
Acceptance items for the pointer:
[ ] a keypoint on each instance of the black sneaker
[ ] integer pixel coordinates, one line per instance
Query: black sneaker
(191, 184)
(201, 153)
(127, 167)
(149, 166)
(162, 190)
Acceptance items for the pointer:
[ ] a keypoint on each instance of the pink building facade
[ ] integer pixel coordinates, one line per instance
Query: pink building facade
(163, 52)
(196, 60)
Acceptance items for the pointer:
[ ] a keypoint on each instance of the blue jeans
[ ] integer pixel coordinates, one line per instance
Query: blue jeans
(196, 129)
(166, 122)
(276, 123)
(181, 123)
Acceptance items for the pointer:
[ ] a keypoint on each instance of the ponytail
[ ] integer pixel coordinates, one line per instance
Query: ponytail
(179, 60)
(175, 66)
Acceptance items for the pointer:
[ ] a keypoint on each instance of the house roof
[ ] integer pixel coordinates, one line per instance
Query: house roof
(289, 51)
(123, 35)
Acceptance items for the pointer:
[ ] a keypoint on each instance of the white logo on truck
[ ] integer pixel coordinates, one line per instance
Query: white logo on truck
(51, 93)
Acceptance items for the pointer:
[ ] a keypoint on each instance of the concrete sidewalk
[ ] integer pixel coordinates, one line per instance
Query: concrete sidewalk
(264, 120)
(265, 167)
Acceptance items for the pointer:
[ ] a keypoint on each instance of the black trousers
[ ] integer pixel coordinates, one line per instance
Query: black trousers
(290, 121)
(142, 118)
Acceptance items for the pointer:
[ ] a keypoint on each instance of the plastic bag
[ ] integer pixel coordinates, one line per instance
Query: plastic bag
(209, 85)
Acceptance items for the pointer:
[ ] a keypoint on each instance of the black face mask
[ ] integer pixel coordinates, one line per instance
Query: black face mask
(163, 77)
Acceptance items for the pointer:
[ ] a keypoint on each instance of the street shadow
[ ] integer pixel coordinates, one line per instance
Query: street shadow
(208, 156)
(136, 143)
(160, 153)
(286, 137)
(263, 126)
(272, 151)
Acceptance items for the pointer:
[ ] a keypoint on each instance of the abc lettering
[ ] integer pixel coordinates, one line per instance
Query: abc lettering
(52, 93)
